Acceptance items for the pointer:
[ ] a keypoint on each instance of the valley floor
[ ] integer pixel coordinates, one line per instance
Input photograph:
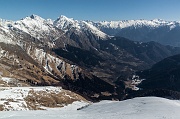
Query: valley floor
(137, 108)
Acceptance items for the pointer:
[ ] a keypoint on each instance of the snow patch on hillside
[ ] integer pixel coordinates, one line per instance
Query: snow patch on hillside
(37, 98)
(13, 98)
(6, 39)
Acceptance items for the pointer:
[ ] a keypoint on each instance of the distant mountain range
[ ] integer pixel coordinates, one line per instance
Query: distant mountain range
(158, 30)
(91, 58)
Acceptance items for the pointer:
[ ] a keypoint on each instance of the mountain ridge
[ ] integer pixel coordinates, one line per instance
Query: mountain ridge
(127, 23)
(75, 55)
(161, 31)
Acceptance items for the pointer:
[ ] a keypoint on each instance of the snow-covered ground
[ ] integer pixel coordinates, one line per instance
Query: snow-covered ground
(16, 103)
(13, 98)
(35, 98)
(137, 108)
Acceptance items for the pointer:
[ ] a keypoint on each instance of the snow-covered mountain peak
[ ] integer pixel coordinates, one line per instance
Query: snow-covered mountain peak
(158, 20)
(66, 18)
(33, 20)
(134, 23)
(50, 21)
(33, 17)
(66, 24)
(161, 22)
(94, 29)
(126, 23)
(33, 25)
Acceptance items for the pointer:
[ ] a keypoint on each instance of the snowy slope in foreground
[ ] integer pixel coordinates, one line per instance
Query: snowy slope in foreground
(138, 108)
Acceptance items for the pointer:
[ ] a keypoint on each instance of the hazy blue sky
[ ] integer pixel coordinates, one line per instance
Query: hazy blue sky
(92, 9)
